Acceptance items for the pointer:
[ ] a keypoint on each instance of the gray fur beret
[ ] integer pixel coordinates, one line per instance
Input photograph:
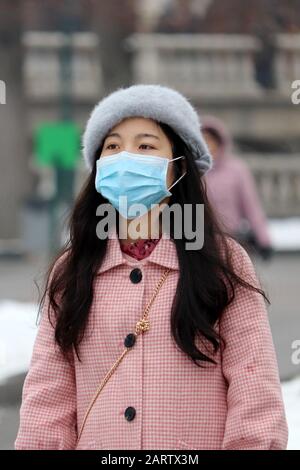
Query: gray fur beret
(161, 103)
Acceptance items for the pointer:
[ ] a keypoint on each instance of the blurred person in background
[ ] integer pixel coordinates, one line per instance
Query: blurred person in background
(231, 189)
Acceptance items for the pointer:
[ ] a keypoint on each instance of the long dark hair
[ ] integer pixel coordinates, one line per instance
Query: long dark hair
(207, 281)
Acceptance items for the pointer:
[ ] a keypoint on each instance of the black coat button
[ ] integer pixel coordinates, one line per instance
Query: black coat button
(129, 413)
(129, 340)
(136, 275)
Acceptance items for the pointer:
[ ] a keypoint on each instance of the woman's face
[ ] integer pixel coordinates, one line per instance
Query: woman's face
(139, 135)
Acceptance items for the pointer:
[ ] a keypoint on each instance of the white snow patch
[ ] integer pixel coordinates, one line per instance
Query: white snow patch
(17, 333)
(285, 233)
(291, 397)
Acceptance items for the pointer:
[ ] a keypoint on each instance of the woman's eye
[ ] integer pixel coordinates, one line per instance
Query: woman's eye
(110, 145)
(146, 145)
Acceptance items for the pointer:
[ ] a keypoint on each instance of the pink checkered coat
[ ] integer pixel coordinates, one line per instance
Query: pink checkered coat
(234, 405)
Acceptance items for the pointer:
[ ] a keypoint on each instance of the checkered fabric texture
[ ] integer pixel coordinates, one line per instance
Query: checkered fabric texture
(236, 404)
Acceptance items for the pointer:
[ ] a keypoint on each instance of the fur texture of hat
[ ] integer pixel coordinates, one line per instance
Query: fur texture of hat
(158, 102)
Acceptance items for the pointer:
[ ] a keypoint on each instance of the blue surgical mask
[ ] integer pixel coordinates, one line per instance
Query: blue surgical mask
(142, 179)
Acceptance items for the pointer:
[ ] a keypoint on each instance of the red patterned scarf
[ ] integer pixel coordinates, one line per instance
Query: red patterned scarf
(139, 249)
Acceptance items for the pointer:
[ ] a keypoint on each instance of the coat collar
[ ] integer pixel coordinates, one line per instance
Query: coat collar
(164, 254)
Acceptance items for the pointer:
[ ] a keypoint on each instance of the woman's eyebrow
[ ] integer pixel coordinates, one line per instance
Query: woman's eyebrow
(113, 134)
(138, 136)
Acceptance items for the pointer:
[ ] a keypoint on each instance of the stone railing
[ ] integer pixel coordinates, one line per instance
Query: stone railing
(212, 65)
(196, 64)
(278, 183)
(56, 64)
(287, 62)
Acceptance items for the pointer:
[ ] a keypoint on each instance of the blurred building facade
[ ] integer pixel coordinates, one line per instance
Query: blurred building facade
(233, 60)
(237, 61)
(57, 59)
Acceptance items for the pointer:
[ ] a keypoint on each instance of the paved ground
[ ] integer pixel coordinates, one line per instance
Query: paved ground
(280, 277)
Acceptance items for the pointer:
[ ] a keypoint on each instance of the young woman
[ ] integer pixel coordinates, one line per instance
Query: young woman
(145, 343)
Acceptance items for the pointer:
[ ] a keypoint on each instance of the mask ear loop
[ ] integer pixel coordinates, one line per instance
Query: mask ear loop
(177, 158)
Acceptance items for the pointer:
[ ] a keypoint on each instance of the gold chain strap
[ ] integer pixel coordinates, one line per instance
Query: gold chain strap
(141, 326)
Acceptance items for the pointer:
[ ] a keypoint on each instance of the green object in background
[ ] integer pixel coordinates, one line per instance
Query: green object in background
(57, 144)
